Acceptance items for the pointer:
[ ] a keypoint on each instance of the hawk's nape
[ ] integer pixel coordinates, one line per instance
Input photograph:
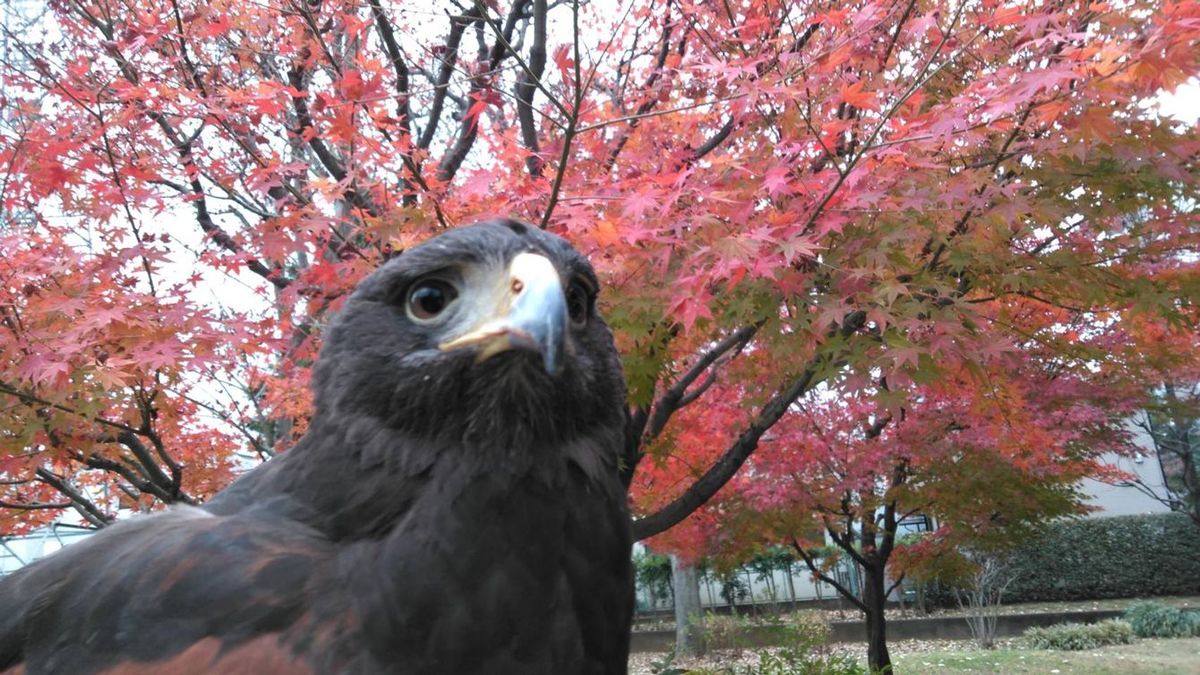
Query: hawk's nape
(455, 506)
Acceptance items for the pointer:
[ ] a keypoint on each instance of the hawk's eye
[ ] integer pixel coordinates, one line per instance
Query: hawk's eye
(577, 304)
(430, 297)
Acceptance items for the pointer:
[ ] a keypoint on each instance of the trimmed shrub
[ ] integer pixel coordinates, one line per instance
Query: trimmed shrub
(804, 635)
(1077, 636)
(1193, 620)
(802, 630)
(726, 632)
(790, 661)
(1154, 619)
(1119, 557)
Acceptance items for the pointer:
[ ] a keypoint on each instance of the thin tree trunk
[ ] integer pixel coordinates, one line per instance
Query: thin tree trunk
(873, 597)
(791, 586)
(689, 619)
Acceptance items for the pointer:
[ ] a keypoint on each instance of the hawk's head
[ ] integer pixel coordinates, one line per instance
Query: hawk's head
(488, 332)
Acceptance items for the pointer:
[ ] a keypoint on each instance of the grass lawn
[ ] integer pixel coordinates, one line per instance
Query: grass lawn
(1160, 656)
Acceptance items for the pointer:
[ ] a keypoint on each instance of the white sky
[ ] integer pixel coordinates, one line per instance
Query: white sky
(1184, 103)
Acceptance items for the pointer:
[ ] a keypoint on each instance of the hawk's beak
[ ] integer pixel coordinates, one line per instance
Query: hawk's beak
(531, 314)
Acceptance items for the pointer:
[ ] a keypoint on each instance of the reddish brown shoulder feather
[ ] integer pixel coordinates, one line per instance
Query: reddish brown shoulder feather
(260, 656)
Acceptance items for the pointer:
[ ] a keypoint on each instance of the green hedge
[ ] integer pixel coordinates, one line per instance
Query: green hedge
(1118, 557)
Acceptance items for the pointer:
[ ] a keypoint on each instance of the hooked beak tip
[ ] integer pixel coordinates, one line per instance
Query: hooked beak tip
(536, 316)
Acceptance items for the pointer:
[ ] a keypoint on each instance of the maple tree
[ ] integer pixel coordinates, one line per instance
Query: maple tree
(989, 452)
(829, 194)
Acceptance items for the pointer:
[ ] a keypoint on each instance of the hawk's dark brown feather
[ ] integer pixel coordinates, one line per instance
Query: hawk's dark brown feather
(442, 515)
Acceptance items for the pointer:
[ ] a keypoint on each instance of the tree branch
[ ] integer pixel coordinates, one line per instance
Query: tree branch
(142, 483)
(737, 453)
(34, 506)
(388, 37)
(221, 238)
(844, 539)
(887, 54)
(673, 398)
(29, 398)
(572, 124)
(527, 86)
(698, 391)
(441, 86)
(150, 468)
(646, 106)
(296, 78)
(714, 141)
(469, 129)
(81, 504)
(811, 563)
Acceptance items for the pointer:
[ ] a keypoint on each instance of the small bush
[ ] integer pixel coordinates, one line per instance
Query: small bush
(1154, 619)
(792, 661)
(722, 631)
(800, 630)
(1113, 632)
(666, 665)
(809, 628)
(1078, 636)
(803, 633)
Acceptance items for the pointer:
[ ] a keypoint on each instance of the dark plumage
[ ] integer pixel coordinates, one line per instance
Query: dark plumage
(454, 508)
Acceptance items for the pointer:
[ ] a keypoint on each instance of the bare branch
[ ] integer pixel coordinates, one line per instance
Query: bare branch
(441, 86)
(811, 563)
(572, 125)
(714, 141)
(469, 129)
(673, 399)
(34, 506)
(660, 60)
(29, 398)
(80, 503)
(527, 86)
(737, 453)
(329, 160)
(388, 37)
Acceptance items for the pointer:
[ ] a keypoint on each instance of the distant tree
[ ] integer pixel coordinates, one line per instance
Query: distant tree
(653, 572)
(990, 454)
(1172, 422)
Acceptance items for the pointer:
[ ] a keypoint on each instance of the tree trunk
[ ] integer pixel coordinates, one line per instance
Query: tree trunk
(792, 586)
(689, 618)
(873, 597)
(750, 591)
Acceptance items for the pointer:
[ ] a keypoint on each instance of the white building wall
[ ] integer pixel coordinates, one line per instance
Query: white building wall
(1124, 500)
(16, 552)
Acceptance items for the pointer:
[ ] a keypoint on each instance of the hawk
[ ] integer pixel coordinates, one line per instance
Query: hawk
(455, 506)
